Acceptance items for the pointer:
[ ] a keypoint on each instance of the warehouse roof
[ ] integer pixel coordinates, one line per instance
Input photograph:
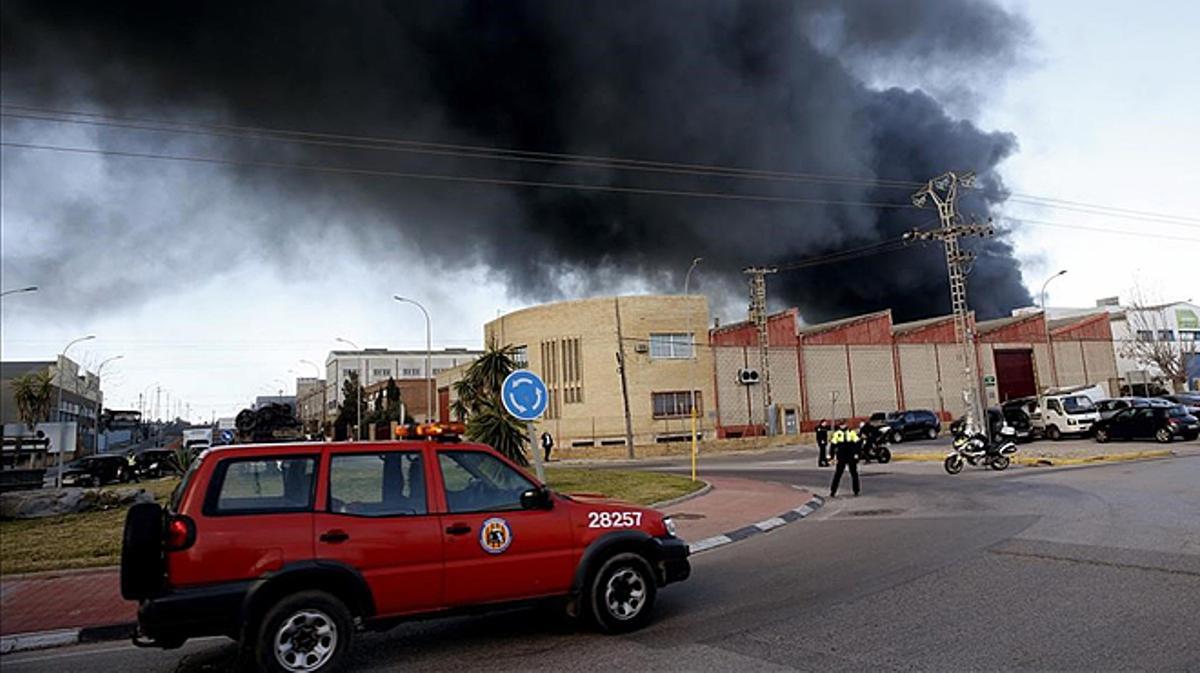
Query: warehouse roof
(832, 325)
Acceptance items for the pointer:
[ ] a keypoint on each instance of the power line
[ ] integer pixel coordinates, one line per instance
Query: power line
(376, 143)
(765, 198)
(346, 170)
(446, 149)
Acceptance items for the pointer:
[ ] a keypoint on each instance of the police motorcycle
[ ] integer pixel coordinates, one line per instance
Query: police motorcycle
(874, 444)
(992, 449)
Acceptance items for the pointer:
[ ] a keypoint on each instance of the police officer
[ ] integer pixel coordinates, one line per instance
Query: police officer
(845, 444)
(547, 444)
(823, 443)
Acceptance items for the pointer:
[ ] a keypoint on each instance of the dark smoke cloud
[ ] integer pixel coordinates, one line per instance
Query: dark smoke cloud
(764, 84)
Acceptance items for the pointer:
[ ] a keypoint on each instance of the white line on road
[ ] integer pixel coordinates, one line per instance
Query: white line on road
(773, 522)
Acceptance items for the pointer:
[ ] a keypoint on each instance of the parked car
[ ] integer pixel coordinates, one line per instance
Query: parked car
(996, 422)
(1019, 414)
(1066, 414)
(153, 463)
(291, 548)
(1159, 423)
(1109, 408)
(911, 424)
(1189, 400)
(96, 470)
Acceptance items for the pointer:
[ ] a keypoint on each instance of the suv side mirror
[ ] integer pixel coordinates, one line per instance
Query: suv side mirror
(536, 498)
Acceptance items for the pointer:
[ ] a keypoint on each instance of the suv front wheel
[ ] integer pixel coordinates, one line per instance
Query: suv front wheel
(622, 593)
(305, 632)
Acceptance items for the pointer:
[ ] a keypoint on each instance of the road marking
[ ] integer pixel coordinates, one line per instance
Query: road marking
(709, 543)
(773, 522)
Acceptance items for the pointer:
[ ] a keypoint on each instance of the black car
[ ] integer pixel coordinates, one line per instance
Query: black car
(1109, 408)
(912, 424)
(1158, 423)
(153, 463)
(997, 420)
(96, 471)
(1189, 400)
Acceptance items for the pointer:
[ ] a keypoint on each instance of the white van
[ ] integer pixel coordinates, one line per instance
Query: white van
(1067, 412)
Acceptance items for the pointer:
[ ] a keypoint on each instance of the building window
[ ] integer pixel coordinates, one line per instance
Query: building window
(520, 356)
(572, 370)
(1145, 335)
(1189, 335)
(676, 404)
(671, 346)
(439, 370)
(1166, 335)
(380, 373)
(411, 372)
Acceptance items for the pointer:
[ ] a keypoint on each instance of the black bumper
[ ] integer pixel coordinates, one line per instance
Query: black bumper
(176, 615)
(672, 554)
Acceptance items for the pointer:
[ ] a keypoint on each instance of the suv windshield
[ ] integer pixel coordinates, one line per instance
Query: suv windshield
(1078, 404)
(1176, 412)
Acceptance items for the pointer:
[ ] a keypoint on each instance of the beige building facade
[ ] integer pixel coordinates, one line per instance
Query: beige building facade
(577, 348)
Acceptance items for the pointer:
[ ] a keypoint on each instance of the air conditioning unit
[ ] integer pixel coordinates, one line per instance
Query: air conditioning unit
(641, 348)
(748, 377)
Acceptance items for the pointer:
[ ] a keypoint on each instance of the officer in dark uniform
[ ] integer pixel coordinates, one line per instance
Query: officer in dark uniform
(547, 444)
(823, 443)
(845, 443)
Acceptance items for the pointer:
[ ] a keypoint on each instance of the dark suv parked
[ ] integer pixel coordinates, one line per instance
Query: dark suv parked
(1159, 423)
(913, 424)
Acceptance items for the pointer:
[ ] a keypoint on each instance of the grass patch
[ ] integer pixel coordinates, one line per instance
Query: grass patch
(93, 539)
(641, 488)
(87, 540)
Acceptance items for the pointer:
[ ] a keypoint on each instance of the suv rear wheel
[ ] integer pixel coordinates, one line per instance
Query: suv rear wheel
(303, 632)
(622, 594)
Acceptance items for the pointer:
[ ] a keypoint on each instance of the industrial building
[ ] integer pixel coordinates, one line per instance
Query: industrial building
(578, 348)
(853, 367)
(375, 365)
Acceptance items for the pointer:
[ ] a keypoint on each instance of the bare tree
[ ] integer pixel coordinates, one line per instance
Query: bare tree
(1154, 342)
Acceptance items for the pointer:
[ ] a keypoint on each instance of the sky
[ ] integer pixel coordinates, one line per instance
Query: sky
(1101, 101)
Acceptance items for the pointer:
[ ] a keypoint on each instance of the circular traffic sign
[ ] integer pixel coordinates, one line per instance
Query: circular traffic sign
(524, 395)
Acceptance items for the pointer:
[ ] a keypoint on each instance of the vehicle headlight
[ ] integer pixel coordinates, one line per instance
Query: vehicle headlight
(670, 525)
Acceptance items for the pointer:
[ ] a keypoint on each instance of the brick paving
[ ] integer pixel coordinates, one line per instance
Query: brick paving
(58, 600)
(731, 504)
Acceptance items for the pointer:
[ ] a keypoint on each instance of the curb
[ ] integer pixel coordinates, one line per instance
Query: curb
(703, 490)
(814, 503)
(40, 640)
(1048, 461)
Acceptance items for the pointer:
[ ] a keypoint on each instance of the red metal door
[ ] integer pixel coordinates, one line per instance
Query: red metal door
(1014, 374)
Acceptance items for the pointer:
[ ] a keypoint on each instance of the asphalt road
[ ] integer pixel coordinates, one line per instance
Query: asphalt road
(1089, 568)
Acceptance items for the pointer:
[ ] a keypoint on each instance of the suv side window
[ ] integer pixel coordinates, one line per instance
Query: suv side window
(377, 484)
(479, 482)
(262, 485)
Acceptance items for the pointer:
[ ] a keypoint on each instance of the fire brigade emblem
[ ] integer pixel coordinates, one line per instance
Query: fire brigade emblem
(495, 535)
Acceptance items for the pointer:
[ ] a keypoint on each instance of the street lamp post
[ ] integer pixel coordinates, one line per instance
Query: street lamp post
(1046, 322)
(430, 403)
(324, 391)
(100, 370)
(62, 356)
(687, 281)
(358, 402)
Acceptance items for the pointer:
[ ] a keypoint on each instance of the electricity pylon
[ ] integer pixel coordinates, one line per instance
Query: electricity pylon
(943, 192)
(758, 316)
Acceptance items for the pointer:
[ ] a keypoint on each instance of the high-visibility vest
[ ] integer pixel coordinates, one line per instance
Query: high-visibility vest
(841, 436)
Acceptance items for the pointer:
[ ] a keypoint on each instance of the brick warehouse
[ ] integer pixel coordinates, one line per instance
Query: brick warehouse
(855, 366)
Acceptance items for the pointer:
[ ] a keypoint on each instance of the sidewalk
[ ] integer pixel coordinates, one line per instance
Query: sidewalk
(75, 599)
(60, 600)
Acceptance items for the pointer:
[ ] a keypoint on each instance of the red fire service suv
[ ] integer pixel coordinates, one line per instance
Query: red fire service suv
(288, 548)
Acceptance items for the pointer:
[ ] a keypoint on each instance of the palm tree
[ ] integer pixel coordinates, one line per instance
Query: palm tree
(32, 392)
(479, 403)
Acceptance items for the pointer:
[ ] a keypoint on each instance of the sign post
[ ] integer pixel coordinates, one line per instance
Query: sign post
(525, 396)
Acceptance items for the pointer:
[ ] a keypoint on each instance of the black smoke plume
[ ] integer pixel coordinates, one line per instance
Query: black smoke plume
(763, 84)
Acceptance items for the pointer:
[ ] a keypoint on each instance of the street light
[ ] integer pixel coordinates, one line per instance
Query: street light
(31, 288)
(428, 353)
(99, 370)
(687, 281)
(358, 402)
(59, 366)
(1046, 322)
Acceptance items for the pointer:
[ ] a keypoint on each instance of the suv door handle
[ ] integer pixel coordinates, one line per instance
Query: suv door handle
(458, 529)
(335, 536)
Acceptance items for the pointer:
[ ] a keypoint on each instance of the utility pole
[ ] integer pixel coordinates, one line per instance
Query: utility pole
(758, 316)
(624, 381)
(943, 191)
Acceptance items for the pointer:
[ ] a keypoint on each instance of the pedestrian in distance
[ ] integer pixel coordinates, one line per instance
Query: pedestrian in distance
(845, 443)
(823, 443)
(547, 444)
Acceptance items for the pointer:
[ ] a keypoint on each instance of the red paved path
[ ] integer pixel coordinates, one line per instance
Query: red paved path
(72, 599)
